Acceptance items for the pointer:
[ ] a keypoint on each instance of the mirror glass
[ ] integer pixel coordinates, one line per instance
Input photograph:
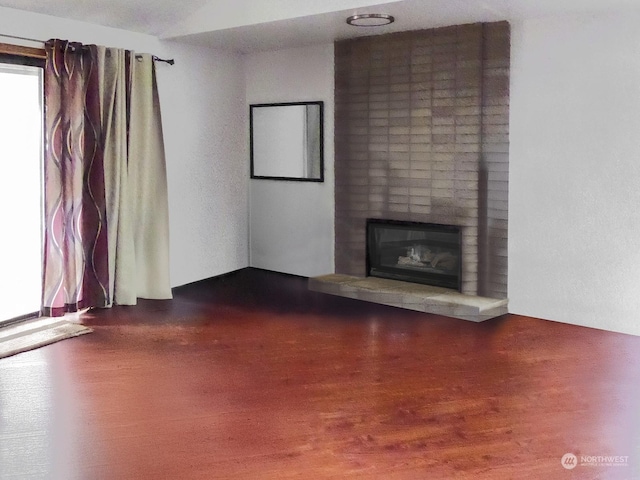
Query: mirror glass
(287, 141)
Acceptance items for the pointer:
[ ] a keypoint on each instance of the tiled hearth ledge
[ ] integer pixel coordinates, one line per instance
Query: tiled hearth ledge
(412, 296)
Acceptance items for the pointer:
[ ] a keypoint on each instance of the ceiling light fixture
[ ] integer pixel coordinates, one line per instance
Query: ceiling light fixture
(370, 20)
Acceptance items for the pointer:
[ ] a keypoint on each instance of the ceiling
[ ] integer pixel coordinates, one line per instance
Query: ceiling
(255, 25)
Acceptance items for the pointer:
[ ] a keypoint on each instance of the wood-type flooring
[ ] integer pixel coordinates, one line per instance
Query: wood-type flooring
(251, 376)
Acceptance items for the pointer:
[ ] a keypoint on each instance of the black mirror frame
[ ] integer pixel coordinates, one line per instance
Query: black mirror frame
(321, 132)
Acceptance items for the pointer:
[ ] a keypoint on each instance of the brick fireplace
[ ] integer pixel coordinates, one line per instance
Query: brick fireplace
(421, 122)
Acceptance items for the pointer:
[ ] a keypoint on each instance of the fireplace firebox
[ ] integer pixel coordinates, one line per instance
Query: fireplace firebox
(424, 253)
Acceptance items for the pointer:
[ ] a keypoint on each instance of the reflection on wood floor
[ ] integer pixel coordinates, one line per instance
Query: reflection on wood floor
(251, 376)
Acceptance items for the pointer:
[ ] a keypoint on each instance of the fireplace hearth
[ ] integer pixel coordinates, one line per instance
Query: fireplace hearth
(416, 252)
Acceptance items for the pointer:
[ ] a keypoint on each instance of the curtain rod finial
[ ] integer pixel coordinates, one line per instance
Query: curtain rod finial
(170, 61)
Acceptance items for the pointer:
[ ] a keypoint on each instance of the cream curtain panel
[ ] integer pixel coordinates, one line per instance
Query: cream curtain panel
(135, 177)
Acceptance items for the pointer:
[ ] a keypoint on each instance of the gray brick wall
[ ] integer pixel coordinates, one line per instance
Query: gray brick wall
(421, 130)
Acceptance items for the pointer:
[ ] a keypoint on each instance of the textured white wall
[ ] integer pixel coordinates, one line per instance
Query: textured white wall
(574, 221)
(203, 111)
(292, 223)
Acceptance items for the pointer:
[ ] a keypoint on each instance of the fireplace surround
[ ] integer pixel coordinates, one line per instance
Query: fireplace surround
(421, 135)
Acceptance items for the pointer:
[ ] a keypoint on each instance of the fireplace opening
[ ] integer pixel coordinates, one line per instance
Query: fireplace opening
(416, 252)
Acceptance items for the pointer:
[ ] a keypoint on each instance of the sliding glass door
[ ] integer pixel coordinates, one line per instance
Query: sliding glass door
(21, 144)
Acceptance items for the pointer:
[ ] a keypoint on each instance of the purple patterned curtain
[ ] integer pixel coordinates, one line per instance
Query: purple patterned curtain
(75, 242)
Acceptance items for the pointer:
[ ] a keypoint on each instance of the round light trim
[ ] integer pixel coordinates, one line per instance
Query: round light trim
(370, 20)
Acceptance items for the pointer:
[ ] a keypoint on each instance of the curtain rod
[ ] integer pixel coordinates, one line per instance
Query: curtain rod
(170, 61)
(21, 38)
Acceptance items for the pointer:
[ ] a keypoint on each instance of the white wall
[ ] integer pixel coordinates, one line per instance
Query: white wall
(203, 110)
(292, 223)
(574, 204)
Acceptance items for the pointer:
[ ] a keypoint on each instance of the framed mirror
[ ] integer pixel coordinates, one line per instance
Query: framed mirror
(287, 141)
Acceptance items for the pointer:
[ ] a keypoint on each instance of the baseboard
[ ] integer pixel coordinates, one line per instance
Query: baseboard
(209, 279)
(239, 271)
(285, 274)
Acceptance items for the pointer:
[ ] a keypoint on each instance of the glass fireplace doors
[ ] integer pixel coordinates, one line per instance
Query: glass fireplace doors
(414, 252)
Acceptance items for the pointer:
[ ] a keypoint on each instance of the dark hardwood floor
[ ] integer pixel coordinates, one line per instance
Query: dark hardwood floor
(250, 376)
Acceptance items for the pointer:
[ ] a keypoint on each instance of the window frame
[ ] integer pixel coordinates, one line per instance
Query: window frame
(22, 51)
(33, 57)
